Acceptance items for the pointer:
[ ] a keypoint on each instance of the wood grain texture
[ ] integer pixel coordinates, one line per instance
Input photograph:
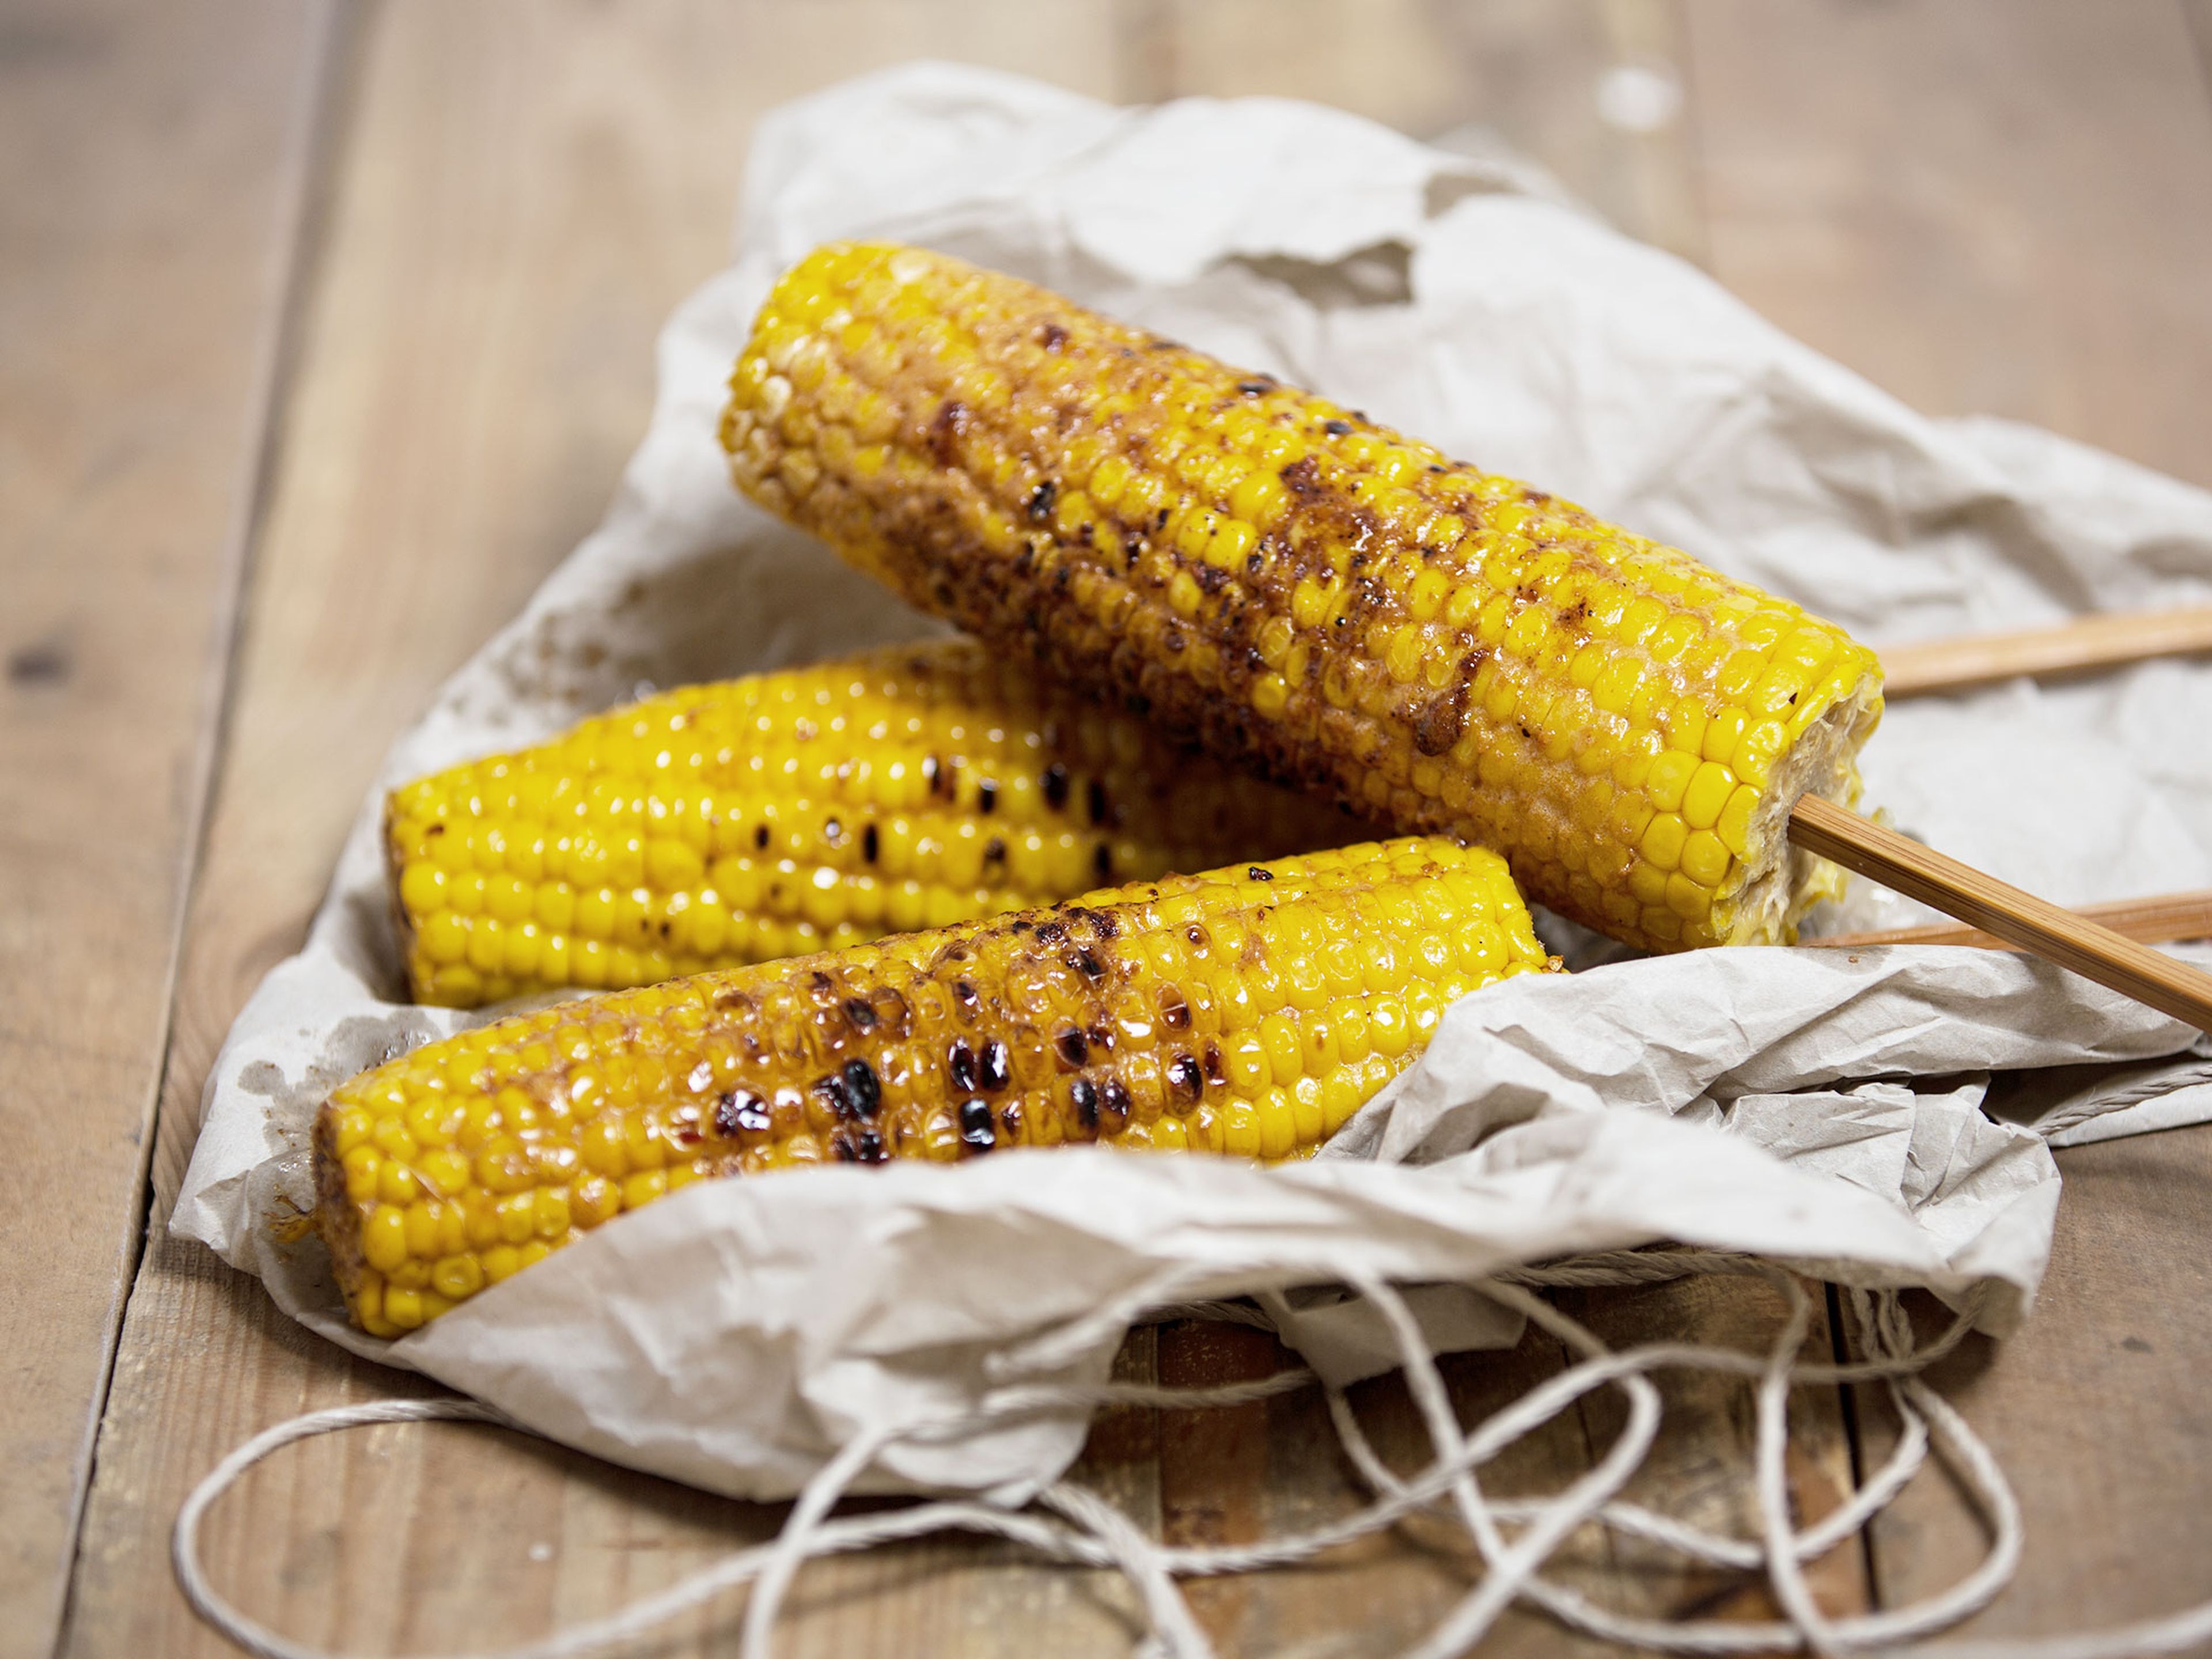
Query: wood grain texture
(520, 198)
(2097, 1411)
(149, 172)
(1531, 73)
(2004, 208)
(1998, 207)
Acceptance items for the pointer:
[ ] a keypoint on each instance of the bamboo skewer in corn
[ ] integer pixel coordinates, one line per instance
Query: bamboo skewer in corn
(2073, 647)
(1316, 598)
(2161, 919)
(2056, 934)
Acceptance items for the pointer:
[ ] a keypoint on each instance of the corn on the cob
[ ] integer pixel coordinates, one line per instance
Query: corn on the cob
(812, 809)
(1248, 1011)
(1305, 592)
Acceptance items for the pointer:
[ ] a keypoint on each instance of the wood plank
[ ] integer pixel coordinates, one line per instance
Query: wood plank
(150, 164)
(2002, 208)
(2096, 1411)
(1249, 1472)
(1538, 76)
(521, 199)
(1542, 76)
(464, 272)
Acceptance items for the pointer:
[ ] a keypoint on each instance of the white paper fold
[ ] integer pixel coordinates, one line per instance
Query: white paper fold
(1869, 1115)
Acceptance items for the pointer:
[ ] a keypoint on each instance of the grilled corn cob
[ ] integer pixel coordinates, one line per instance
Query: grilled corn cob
(816, 808)
(1248, 1011)
(1305, 592)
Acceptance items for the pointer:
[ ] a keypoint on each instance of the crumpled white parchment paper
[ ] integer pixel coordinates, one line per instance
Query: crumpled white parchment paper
(1817, 1108)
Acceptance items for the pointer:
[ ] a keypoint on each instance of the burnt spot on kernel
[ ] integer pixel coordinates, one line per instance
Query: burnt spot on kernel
(1113, 1096)
(1302, 476)
(1336, 428)
(1260, 872)
(1072, 1048)
(1095, 798)
(843, 1147)
(976, 1129)
(1256, 386)
(1174, 1012)
(860, 1083)
(946, 428)
(872, 844)
(1082, 1093)
(997, 1067)
(1216, 1069)
(1437, 727)
(1184, 1077)
(862, 1012)
(964, 990)
(1051, 932)
(1054, 784)
(1040, 500)
(738, 1111)
(1052, 336)
(1086, 964)
(1010, 1120)
(986, 796)
(1104, 923)
(960, 1066)
(865, 1147)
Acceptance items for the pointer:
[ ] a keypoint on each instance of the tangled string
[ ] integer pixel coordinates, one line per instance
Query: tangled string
(1070, 1525)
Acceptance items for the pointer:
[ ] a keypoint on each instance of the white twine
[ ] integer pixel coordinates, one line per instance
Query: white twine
(1072, 1526)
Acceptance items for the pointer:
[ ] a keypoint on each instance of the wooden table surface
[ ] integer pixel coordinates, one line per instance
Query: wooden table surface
(325, 331)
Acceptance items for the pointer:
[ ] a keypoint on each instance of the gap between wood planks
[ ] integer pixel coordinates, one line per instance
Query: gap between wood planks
(310, 132)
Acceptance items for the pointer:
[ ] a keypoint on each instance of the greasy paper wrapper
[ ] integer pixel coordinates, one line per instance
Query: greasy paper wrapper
(1881, 1117)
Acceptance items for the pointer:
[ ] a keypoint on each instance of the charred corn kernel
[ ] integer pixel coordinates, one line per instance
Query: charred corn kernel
(1170, 1008)
(1495, 650)
(710, 825)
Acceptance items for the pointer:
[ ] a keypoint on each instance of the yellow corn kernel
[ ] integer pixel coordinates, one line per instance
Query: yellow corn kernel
(820, 769)
(1495, 649)
(1249, 1010)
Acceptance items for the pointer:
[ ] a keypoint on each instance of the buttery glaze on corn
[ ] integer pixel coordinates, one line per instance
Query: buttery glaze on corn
(1248, 1011)
(810, 809)
(1306, 593)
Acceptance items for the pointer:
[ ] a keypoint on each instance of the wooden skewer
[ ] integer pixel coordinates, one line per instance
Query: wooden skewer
(2146, 920)
(2164, 982)
(1910, 670)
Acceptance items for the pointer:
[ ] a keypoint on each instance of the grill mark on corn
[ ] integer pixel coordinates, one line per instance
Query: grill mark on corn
(1093, 1021)
(1131, 604)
